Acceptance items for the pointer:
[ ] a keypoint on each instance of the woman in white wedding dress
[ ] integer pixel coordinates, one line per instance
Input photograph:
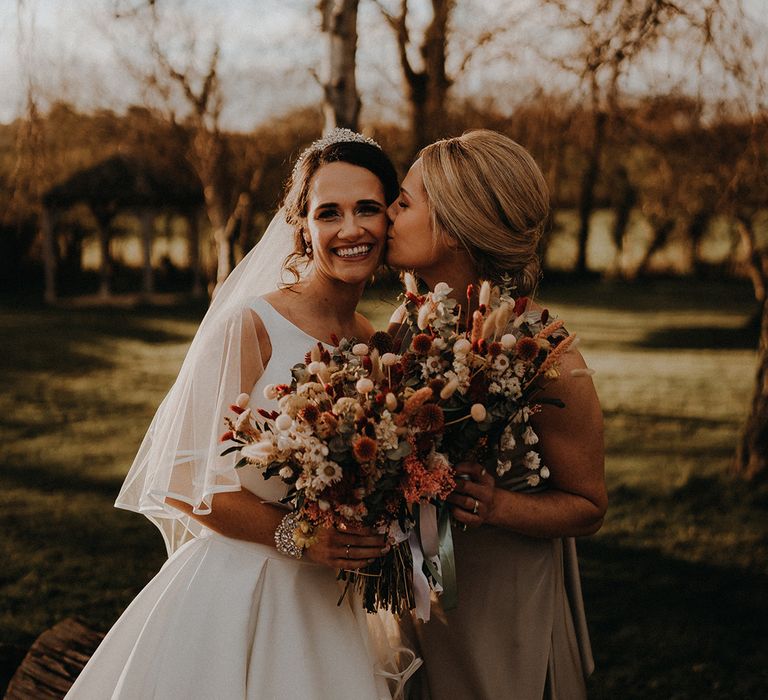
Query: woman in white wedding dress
(232, 615)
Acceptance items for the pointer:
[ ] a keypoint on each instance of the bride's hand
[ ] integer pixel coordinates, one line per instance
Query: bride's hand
(472, 499)
(346, 549)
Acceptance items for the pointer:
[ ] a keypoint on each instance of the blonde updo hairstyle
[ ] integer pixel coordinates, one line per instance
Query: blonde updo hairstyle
(486, 192)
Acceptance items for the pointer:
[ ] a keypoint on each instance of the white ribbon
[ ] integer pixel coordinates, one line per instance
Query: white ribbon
(399, 677)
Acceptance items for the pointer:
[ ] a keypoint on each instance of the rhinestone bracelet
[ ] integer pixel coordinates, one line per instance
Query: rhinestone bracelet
(284, 540)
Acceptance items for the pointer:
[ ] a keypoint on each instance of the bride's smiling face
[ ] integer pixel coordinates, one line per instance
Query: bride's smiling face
(346, 221)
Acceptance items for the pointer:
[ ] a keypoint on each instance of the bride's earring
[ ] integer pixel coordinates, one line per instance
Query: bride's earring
(307, 248)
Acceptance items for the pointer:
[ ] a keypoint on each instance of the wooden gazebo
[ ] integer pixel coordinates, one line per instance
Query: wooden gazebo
(121, 184)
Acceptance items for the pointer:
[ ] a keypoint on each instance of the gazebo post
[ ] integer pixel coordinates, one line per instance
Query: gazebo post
(105, 269)
(49, 254)
(147, 219)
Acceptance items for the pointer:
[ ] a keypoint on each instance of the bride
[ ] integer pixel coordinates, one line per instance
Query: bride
(239, 610)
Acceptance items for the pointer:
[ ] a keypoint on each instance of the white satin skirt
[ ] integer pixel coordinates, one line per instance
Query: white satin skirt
(234, 620)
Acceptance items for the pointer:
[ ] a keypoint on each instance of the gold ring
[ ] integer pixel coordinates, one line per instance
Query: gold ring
(476, 508)
(347, 548)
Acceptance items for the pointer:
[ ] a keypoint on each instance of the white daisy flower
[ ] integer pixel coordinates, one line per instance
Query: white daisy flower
(532, 460)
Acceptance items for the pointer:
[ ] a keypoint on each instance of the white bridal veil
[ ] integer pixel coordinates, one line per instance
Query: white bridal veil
(180, 454)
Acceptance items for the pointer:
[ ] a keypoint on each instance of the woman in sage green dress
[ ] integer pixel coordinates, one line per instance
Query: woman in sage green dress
(473, 208)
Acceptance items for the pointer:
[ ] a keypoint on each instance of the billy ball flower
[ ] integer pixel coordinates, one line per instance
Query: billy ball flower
(364, 449)
(478, 412)
(508, 341)
(283, 422)
(388, 359)
(364, 385)
(527, 349)
(462, 346)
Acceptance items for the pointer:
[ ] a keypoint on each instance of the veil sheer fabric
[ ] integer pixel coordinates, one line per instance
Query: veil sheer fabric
(180, 454)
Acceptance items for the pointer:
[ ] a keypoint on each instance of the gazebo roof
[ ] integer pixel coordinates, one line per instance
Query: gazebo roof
(120, 182)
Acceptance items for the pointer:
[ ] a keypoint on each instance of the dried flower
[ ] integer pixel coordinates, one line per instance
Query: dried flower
(364, 449)
(421, 343)
(449, 389)
(508, 341)
(389, 358)
(582, 372)
(410, 283)
(527, 349)
(485, 293)
(478, 412)
(430, 418)
(462, 346)
(309, 413)
(364, 385)
(360, 349)
(381, 341)
(283, 422)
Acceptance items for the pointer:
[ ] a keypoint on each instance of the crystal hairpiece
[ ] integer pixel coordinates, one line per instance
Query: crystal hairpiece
(337, 135)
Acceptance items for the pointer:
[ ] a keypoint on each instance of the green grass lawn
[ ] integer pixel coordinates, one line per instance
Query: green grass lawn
(675, 581)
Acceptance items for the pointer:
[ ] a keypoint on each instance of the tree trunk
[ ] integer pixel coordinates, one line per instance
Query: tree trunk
(49, 254)
(752, 450)
(661, 231)
(624, 202)
(588, 184)
(147, 219)
(341, 106)
(427, 88)
(193, 224)
(224, 237)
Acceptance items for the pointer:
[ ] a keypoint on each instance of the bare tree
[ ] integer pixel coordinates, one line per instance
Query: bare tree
(341, 105)
(746, 194)
(614, 36)
(171, 77)
(427, 87)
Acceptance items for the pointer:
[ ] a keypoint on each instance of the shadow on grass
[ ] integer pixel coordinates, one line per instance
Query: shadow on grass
(665, 628)
(27, 336)
(702, 337)
(53, 478)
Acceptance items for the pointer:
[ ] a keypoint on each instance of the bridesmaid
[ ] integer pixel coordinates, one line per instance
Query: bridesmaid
(473, 208)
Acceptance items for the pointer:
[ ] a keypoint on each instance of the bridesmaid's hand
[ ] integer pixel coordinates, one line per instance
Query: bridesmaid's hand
(346, 549)
(472, 499)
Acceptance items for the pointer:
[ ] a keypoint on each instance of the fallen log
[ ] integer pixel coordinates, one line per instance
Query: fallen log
(54, 661)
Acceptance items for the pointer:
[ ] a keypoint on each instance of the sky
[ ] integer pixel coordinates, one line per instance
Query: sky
(77, 51)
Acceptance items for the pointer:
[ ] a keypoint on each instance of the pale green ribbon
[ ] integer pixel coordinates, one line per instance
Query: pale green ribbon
(434, 528)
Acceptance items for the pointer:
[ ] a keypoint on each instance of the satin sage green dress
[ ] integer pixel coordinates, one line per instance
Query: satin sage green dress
(519, 630)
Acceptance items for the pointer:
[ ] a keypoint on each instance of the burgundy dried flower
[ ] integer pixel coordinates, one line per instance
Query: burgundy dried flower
(430, 418)
(309, 413)
(421, 343)
(364, 449)
(381, 341)
(527, 349)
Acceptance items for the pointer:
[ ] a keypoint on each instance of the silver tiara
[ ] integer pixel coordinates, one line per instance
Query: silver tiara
(337, 135)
